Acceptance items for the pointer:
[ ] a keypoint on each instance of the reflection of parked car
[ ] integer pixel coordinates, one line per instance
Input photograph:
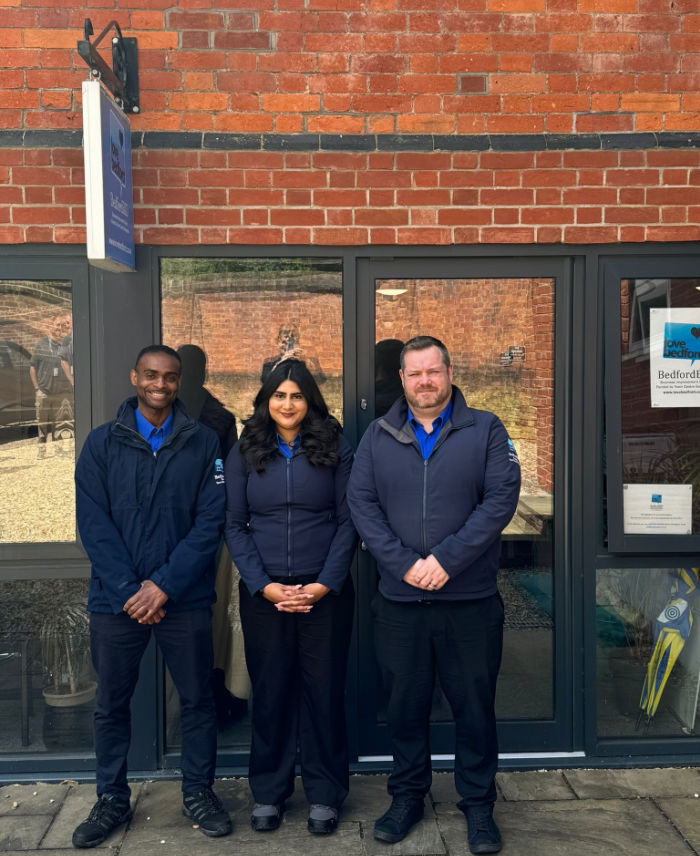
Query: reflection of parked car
(17, 412)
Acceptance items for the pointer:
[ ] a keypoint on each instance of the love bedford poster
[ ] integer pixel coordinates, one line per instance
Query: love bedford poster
(674, 357)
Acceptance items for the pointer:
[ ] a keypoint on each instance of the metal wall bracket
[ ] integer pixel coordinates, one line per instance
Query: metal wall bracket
(122, 79)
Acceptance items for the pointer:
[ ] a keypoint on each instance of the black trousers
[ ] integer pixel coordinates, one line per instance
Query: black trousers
(461, 641)
(297, 665)
(118, 643)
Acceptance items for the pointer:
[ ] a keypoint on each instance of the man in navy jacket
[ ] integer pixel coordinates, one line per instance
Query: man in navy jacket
(150, 502)
(433, 485)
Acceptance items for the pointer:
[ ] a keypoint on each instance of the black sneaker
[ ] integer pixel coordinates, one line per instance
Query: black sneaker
(108, 813)
(396, 823)
(207, 810)
(483, 835)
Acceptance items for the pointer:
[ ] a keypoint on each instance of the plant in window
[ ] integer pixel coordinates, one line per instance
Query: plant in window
(65, 652)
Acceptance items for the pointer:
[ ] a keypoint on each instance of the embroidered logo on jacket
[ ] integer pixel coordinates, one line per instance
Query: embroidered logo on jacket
(219, 471)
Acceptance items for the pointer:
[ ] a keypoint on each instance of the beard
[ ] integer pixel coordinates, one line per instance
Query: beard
(428, 398)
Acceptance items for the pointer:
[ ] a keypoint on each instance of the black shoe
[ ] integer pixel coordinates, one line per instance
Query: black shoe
(396, 823)
(483, 835)
(108, 813)
(206, 809)
(323, 819)
(266, 817)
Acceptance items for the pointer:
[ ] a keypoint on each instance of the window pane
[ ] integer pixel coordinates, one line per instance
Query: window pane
(645, 633)
(660, 444)
(246, 315)
(37, 424)
(47, 684)
(500, 334)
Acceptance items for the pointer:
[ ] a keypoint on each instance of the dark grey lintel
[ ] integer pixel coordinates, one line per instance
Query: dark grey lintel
(66, 138)
(233, 142)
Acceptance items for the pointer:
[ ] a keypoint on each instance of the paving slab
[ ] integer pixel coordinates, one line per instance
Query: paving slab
(291, 839)
(39, 798)
(574, 828)
(684, 814)
(23, 832)
(74, 809)
(534, 785)
(443, 789)
(611, 784)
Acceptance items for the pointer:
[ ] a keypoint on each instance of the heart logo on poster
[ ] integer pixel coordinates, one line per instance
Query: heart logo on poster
(695, 332)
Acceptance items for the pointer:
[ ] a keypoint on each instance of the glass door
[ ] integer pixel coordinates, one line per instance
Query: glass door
(499, 327)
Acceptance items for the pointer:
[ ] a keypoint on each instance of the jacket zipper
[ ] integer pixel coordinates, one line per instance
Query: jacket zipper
(288, 473)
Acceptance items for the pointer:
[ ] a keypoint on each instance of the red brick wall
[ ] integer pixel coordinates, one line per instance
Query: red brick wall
(377, 67)
(369, 66)
(335, 198)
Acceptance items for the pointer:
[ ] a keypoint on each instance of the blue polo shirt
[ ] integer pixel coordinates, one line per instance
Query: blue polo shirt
(285, 448)
(155, 437)
(427, 441)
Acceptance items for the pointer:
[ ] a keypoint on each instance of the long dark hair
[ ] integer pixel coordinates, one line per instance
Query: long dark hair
(319, 431)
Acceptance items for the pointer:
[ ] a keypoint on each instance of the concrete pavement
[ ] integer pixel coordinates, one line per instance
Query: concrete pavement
(653, 812)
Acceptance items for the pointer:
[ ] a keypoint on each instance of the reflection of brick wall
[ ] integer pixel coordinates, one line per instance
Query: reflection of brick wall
(27, 315)
(477, 319)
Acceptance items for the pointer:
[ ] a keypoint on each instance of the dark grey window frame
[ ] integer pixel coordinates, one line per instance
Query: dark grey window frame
(613, 270)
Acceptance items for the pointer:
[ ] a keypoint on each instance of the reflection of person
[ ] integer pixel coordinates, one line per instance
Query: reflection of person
(229, 661)
(289, 531)
(289, 349)
(150, 507)
(52, 391)
(387, 383)
(433, 485)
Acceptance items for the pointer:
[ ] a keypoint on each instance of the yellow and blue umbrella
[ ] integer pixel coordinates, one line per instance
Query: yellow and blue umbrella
(671, 632)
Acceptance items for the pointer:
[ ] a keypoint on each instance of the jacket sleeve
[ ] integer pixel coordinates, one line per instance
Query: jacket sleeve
(239, 538)
(112, 563)
(391, 554)
(194, 554)
(490, 517)
(342, 548)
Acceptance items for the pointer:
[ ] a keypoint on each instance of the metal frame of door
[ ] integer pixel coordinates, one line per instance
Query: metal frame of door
(551, 737)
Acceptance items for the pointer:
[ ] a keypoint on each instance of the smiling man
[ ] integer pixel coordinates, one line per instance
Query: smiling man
(433, 485)
(150, 501)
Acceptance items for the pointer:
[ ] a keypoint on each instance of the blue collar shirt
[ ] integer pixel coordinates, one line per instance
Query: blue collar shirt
(427, 441)
(284, 447)
(155, 437)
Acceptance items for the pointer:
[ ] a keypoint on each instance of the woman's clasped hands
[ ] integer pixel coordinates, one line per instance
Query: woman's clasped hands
(294, 598)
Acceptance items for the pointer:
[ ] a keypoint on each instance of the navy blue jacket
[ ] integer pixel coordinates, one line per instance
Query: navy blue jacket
(454, 505)
(150, 517)
(290, 520)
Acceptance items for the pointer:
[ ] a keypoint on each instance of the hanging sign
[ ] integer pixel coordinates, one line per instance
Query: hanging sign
(674, 357)
(109, 202)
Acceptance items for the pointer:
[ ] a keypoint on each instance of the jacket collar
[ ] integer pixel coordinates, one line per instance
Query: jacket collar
(126, 418)
(396, 419)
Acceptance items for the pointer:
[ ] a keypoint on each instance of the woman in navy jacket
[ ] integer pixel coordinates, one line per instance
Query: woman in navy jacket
(289, 531)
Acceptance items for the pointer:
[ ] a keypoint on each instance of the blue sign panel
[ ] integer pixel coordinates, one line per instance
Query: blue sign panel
(117, 188)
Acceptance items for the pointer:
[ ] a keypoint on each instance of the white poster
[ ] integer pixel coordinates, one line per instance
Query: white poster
(674, 355)
(657, 509)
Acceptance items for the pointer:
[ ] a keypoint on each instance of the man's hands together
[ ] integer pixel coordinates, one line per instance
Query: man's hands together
(427, 574)
(146, 606)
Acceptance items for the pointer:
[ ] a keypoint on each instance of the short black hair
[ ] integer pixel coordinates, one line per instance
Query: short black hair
(422, 343)
(157, 349)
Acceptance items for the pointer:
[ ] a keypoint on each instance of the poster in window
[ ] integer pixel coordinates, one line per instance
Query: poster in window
(674, 357)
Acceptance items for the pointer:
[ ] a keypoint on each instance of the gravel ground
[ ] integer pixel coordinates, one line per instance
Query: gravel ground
(37, 501)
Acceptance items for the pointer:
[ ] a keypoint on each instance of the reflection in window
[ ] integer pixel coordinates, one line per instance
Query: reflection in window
(37, 422)
(660, 445)
(500, 335)
(245, 315)
(648, 652)
(47, 684)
